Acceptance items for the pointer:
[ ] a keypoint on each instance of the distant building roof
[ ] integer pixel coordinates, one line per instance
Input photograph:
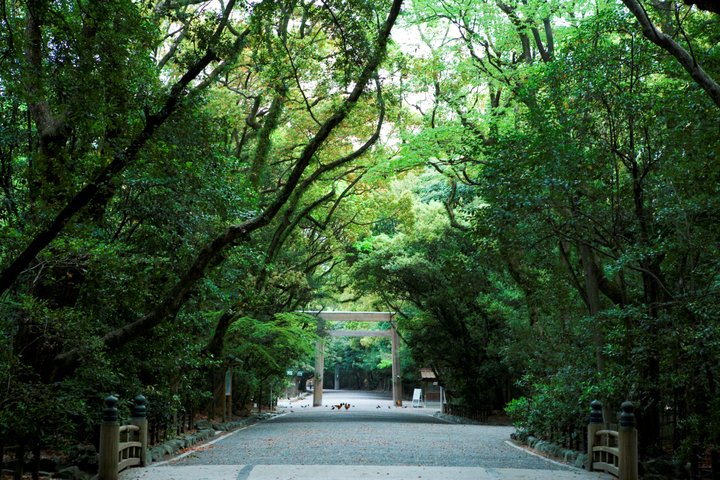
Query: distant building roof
(427, 374)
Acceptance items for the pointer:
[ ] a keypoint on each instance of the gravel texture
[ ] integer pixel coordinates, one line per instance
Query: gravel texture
(367, 435)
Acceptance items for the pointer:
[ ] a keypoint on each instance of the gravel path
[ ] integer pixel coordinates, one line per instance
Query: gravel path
(369, 440)
(367, 435)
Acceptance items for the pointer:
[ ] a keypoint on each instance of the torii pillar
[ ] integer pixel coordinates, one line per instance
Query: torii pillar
(396, 376)
(319, 369)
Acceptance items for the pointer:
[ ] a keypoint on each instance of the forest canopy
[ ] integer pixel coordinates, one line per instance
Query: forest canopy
(534, 182)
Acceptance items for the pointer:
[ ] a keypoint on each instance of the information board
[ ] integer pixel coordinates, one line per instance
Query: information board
(417, 398)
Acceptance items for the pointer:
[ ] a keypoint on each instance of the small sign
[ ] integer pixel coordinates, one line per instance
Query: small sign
(228, 382)
(289, 372)
(417, 398)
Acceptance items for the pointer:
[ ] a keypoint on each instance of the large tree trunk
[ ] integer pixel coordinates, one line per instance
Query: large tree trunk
(654, 298)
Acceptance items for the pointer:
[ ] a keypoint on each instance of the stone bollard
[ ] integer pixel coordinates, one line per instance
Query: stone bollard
(596, 424)
(109, 441)
(628, 443)
(139, 418)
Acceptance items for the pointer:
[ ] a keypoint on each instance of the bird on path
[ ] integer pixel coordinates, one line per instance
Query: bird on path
(378, 406)
(347, 406)
(339, 406)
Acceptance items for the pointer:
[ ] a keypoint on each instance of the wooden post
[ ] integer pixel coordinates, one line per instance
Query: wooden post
(319, 367)
(109, 441)
(714, 464)
(319, 363)
(596, 423)
(139, 418)
(19, 461)
(259, 401)
(396, 374)
(628, 443)
(223, 397)
(227, 402)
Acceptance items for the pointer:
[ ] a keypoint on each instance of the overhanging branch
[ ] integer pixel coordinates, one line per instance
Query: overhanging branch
(668, 44)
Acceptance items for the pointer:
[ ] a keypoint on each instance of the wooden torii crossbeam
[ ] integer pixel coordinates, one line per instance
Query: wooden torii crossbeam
(334, 316)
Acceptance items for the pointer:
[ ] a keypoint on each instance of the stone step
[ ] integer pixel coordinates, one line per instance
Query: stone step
(348, 472)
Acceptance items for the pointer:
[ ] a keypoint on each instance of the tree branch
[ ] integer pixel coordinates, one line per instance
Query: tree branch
(667, 43)
(85, 195)
(66, 362)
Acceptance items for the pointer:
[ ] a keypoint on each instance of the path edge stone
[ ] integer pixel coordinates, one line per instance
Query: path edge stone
(551, 450)
(205, 431)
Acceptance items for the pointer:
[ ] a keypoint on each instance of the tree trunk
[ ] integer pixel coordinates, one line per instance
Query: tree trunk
(592, 291)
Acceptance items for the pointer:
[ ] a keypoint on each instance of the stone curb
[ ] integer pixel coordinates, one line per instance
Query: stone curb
(570, 457)
(206, 431)
(455, 419)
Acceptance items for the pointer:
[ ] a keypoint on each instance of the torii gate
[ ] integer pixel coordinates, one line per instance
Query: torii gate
(355, 317)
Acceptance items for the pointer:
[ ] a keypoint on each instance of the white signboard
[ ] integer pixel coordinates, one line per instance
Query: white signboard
(417, 398)
(228, 382)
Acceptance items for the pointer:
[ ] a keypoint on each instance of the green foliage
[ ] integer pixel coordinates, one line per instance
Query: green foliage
(433, 271)
(365, 363)
(194, 149)
(542, 196)
(559, 169)
(262, 350)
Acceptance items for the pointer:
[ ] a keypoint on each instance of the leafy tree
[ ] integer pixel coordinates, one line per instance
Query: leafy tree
(433, 270)
(129, 205)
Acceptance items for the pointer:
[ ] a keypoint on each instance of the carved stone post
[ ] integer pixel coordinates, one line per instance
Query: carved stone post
(596, 423)
(628, 443)
(109, 441)
(139, 418)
